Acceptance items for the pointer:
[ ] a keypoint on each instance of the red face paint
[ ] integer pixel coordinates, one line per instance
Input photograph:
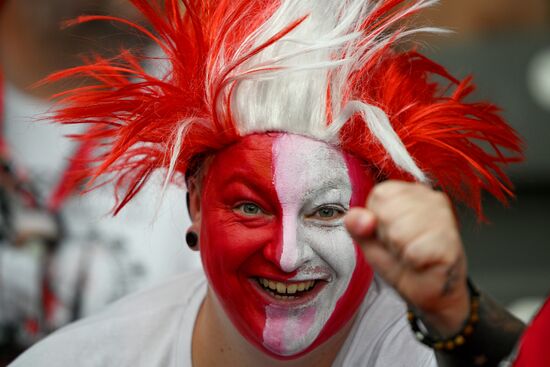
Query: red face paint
(273, 243)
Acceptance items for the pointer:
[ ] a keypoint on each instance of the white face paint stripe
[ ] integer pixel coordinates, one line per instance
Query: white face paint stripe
(290, 190)
(303, 167)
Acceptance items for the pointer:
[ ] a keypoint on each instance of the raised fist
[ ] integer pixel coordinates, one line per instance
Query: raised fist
(410, 236)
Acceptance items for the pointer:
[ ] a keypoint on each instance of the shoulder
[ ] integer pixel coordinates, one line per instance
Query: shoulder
(381, 335)
(139, 330)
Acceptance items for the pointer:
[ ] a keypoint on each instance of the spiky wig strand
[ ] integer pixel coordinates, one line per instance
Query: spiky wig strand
(322, 68)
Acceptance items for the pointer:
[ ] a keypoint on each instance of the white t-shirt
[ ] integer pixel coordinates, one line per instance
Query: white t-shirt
(155, 327)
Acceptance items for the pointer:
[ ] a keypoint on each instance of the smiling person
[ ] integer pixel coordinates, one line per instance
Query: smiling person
(285, 118)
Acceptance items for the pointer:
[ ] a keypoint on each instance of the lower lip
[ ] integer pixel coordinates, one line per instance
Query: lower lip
(298, 300)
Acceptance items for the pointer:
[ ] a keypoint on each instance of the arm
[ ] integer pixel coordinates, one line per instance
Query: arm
(409, 235)
(496, 334)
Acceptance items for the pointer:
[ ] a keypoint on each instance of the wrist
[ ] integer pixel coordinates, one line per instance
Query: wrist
(486, 338)
(448, 328)
(451, 315)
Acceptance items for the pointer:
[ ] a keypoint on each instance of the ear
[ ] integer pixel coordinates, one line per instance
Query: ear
(193, 199)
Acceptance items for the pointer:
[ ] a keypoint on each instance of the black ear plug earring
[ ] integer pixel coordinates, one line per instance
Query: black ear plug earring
(192, 240)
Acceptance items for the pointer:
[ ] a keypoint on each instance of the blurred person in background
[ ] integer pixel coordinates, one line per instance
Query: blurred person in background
(61, 256)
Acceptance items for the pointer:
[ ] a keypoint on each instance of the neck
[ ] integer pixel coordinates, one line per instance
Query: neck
(216, 342)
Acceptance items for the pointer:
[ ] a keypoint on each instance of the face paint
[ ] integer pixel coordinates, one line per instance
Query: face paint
(273, 243)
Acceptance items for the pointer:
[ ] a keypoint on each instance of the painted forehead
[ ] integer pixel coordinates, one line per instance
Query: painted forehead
(259, 159)
(308, 164)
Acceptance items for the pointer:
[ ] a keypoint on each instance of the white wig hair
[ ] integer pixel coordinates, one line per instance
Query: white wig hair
(285, 86)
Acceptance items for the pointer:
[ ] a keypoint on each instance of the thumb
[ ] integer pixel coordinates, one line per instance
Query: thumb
(361, 224)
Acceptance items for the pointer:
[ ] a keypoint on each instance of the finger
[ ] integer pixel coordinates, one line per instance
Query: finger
(382, 261)
(391, 199)
(432, 249)
(385, 191)
(403, 230)
(360, 223)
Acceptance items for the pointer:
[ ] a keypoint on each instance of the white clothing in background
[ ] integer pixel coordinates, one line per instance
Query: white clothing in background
(122, 254)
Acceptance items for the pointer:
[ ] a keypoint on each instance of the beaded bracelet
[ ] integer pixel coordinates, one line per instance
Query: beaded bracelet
(460, 338)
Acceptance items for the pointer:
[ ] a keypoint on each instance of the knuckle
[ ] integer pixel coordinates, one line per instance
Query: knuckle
(448, 259)
(436, 205)
(410, 254)
(378, 193)
(387, 188)
(449, 246)
(441, 199)
(450, 256)
(385, 194)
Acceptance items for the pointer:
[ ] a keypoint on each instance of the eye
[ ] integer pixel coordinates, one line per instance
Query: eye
(249, 209)
(328, 212)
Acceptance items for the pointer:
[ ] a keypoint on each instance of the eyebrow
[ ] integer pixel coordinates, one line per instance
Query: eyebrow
(334, 182)
(238, 176)
(252, 181)
(324, 191)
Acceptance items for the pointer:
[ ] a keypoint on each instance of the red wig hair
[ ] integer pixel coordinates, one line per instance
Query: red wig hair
(226, 54)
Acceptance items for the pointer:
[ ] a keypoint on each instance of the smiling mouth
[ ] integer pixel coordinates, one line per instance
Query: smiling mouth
(287, 291)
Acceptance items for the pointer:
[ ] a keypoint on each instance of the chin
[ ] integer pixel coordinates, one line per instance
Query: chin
(295, 325)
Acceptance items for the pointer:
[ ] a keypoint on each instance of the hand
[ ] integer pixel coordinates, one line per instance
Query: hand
(410, 236)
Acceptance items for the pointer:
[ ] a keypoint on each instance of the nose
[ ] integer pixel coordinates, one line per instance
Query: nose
(288, 251)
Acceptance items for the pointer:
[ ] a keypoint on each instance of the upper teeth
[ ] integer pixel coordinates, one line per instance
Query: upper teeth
(289, 288)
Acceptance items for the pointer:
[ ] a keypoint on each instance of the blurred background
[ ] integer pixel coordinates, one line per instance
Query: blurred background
(61, 255)
(505, 45)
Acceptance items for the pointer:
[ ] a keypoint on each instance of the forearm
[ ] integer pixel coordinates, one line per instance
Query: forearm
(494, 337)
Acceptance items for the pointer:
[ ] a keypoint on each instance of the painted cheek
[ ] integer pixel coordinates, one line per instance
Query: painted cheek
(350, 300)
(234, 249)
(230, 266)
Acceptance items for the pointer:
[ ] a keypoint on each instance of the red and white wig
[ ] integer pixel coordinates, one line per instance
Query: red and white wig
(322, 68)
